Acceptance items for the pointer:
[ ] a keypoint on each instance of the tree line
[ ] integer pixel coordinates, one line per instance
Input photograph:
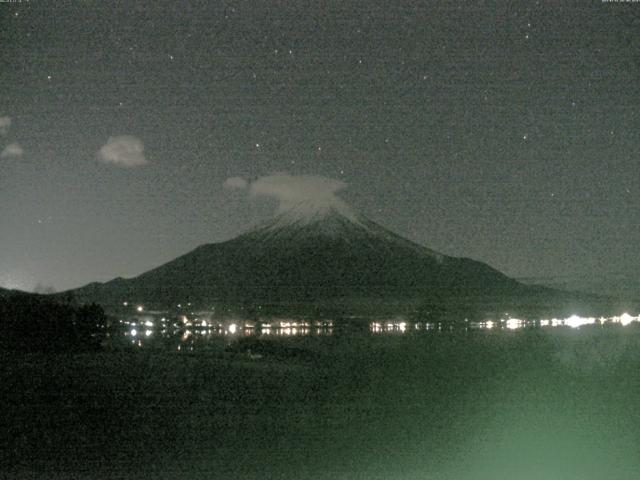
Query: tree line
(38, 323)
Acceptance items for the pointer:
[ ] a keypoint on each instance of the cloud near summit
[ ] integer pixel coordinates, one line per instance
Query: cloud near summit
(290, 190)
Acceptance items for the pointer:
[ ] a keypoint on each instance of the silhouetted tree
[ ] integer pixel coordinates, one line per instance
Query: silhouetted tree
(35, 323)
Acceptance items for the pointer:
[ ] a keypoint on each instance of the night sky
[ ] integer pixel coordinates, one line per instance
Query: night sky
(505, 132)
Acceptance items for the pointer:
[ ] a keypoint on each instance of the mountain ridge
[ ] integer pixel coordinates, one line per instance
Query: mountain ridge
(308, 254)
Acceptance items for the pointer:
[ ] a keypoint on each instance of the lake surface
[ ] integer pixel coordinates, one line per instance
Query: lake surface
(188, 334)
(531, 403)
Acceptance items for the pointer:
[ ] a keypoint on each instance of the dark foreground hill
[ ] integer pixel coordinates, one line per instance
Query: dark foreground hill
(32, 322)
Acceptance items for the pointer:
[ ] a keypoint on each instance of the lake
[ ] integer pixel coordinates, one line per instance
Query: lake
(529, 403)
(188, 334)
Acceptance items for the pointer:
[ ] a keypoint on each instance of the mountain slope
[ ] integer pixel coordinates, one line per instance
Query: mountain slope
(308, 253)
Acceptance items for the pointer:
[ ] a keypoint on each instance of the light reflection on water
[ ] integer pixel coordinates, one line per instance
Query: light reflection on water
(178, 336)
(186, 333)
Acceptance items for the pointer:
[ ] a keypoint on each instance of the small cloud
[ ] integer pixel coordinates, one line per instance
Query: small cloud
(302, 196)
(291, 190)
(5, 123)
(235, 183)
(13, 150)
(124, 151)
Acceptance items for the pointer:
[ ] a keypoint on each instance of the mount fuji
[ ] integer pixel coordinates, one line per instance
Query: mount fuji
(309, 252)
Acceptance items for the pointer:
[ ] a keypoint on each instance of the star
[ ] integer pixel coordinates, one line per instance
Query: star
(525, 137)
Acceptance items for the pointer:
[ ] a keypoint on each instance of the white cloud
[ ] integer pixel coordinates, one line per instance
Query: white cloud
(12, 150)
(124, 151)
(299, 196)
(235, 183)
(291, 190)
(5, 123)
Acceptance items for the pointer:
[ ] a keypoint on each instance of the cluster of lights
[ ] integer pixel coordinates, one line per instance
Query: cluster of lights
(393, 326)
(134, 332)
(290, 324)
(574, 321)
(513, 323)
(625, 319)
(144, 327)
(204, 327)
(509, 323)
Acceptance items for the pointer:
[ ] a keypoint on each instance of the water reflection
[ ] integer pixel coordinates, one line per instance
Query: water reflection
(514, 323)
(183, 334)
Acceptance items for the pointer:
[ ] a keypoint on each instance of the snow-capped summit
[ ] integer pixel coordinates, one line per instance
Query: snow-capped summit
(335, 222)
(313, 218)
(312, 211)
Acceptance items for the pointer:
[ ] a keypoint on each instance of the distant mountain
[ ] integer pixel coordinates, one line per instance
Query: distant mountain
(310, 253)
(4, 292)
(618, 285)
